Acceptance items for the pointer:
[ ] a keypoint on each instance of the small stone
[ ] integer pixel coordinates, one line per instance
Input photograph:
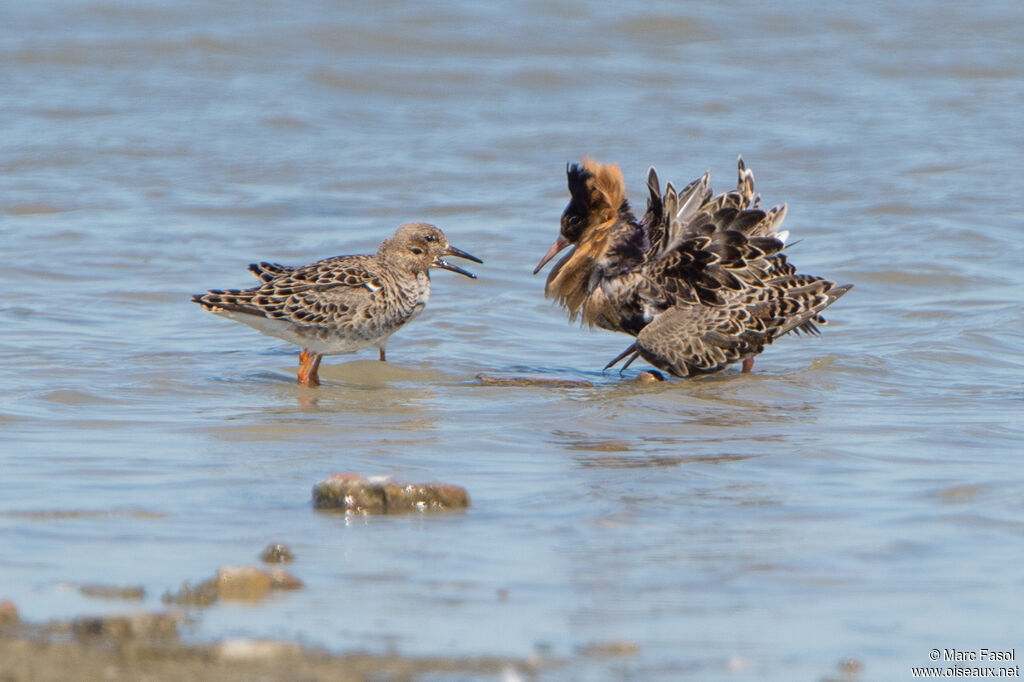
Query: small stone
(354, 494)
(650, 376)
(129, 592)
(277, 554)
(242, 649)
(8, 612)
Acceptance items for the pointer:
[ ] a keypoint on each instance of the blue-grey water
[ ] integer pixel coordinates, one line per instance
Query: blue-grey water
(856, 498)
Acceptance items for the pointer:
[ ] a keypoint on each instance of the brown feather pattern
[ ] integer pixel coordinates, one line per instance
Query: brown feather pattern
(345, 303)
(700, 280)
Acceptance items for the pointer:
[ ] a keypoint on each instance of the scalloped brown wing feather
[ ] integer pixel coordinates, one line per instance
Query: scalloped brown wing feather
(699, 339)
(298, 294)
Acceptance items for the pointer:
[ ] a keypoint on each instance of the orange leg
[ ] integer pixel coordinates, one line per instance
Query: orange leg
(309, 363)
(383, 358)
(748, 364)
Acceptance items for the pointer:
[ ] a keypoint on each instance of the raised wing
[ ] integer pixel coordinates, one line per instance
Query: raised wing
(674, 217)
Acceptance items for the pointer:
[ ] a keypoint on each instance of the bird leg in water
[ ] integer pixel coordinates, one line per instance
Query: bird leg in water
(309, 363)
(383, 357)
(632, 349)
(748, 364)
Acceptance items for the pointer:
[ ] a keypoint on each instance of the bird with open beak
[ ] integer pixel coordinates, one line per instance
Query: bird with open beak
(341, 304)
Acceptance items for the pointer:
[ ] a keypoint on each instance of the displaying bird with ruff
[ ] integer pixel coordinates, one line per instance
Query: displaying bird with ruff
(700, 281)
(341, 304)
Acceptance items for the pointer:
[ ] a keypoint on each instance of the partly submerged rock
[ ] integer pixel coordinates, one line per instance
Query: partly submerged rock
(237, 583)
(243, 583)
(203, 594)
(355, 494)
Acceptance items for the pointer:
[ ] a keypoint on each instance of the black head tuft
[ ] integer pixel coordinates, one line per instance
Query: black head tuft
(574, 218)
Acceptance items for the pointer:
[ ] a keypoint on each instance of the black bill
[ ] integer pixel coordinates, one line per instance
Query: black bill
(452, 251)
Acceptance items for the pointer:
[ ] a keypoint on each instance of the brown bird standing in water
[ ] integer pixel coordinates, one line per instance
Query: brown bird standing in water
(700, 280)
(341, 304)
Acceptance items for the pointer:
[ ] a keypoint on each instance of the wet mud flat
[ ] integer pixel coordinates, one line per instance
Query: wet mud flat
(147, 646)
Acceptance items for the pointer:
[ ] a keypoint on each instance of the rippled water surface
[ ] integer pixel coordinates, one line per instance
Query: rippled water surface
(857, 497)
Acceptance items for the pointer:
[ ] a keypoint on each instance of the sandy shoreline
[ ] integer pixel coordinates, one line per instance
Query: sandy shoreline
(147, 646)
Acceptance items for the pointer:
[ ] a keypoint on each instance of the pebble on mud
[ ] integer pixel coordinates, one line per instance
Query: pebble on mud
(242, 649)
(277, 554)
(234, 583)
(355, 494)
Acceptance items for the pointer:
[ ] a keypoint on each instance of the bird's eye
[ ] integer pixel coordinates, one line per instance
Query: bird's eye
(417, 250)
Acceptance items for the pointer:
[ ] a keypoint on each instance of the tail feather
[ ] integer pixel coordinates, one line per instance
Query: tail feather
(232, 300)
(810, 307)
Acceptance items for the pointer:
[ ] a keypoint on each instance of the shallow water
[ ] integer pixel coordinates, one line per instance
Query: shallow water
(857, 496)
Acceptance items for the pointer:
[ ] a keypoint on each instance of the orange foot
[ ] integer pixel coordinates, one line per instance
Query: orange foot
(309, 363)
